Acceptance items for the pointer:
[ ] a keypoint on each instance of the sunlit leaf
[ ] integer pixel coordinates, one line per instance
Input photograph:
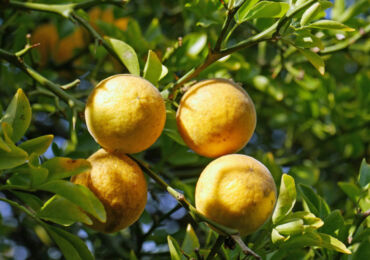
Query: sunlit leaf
(315, 203)
(286, 200)
(78, 194)
(191, 241)
(153, 70)
(174, 248)
(63, 212)
(330, 25)
(18, 115)
(15, 157)
(364, 176)
(62, 167)
(314, 59)
(264, 9)
(37, 145)
(126, 54)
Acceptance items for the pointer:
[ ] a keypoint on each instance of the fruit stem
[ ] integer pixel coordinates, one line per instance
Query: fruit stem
(197, 216)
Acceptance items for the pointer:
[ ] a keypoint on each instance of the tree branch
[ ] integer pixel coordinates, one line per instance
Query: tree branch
(53, 87)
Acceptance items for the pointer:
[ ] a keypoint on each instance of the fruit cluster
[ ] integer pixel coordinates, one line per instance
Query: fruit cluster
(216, 118)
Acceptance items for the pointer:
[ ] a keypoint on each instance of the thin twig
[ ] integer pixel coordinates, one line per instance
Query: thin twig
(53, 87)
(216, 246)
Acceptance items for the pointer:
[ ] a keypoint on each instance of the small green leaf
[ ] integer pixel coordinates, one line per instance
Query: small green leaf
(317, 239)
(153, 68)
(174, 247)
(364, 176)
(63, 212)
(18, 115)
(276, 237)
(314, 202)
(126, 54)
(4, 146)
(293, 227)
(61, 167)
(332, 223)
(170, 128)
(72, 247)
(15, 157)
(314, 59)
(191, 241)
(351, 189)
(78, 194)
(310, 13)
(37, 145)
(286, 200)
(244, 10)
(310, 220)
(330, 25)
(266, 9)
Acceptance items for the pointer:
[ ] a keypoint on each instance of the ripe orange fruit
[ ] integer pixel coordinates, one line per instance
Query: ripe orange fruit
(236, 191)
(216, 117)
(47, 36)
(125, 113)
(120, 185)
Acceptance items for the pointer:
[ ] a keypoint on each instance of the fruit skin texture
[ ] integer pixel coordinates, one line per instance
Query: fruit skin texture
(125, 113)
(236, 191)
(120, 185)
(216, 117)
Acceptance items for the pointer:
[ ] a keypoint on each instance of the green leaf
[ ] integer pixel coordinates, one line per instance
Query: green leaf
(330, 25)
(62, 167)
(29, 199)
(72, 247)
(15, 157)
(314, 202)
(154, 70)
(276, 237)
(307, 40)
(332, 223)
(364, 176)
(266, 9)
(317, 239)
(286, 200)
(36, 173)
(170, 128)
(244, 10)
(126, 54)
(174, 247)
(18, 115)
(310, 13)
(63, 212)
(293, 227)
(351, 189)
(310, 221)
(314, 59)
(190, 242)
(37, 145)
(4, 146)
(78, 194)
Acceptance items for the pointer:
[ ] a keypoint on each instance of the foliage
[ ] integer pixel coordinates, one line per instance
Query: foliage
(305, 64)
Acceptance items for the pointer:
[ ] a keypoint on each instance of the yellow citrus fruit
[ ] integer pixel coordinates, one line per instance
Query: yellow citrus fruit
(125, 113)
(120, 185)
(216, 117)
(236, 191)
(122, 23)
(47, 36)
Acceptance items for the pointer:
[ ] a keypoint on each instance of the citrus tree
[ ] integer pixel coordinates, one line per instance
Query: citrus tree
(283, 83)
